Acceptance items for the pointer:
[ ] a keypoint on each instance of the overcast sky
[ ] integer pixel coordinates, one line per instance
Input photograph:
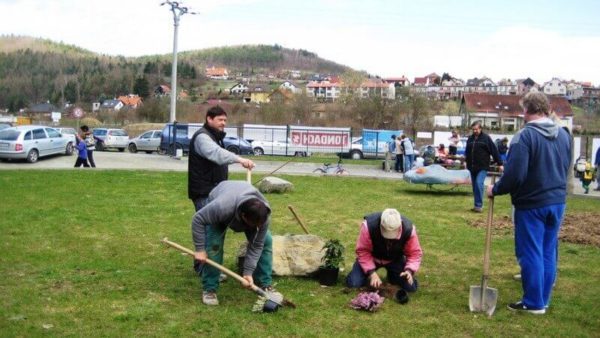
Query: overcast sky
(470, 38)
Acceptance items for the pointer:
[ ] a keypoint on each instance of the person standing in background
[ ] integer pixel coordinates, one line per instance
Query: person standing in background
(399, 156)
(209, 160)
(408, 150)
(453, 147)
(90, 144)
(480, 148)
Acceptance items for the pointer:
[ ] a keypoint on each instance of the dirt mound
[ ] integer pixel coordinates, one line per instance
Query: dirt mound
(582, 228)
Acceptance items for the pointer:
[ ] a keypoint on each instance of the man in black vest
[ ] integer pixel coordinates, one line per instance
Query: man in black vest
(209, 161)
(387, 240)
(208, 158)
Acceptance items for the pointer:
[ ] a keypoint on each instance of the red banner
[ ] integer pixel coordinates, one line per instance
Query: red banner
(323, 139)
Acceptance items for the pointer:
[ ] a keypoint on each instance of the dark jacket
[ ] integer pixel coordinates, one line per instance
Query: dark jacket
(537, 167)
(383, 248)
(203, 174)
(478, 152)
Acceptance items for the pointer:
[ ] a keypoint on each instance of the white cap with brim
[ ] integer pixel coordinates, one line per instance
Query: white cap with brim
(391, 222)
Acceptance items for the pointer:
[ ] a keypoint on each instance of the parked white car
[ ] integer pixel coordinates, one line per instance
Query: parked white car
(110, 138)
(69, 133)
(278, 148)
(148, 141)
(32, 142)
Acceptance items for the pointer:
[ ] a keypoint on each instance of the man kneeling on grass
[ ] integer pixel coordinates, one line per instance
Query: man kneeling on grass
(390, 241)
(241, 207)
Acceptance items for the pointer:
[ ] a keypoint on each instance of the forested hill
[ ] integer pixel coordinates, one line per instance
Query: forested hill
(37, 70)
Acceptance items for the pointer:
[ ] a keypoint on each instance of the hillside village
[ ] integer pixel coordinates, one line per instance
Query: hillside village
(262, 95)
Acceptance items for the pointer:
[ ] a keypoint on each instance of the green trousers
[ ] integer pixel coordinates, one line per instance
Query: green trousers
(215, 239)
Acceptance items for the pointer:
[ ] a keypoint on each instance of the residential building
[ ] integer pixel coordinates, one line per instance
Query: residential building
(257, 94)
(377, 88)
(111, 105)
(506, 87)
(401, 81)
(42, 111)
(524, 86)
(280, 95)
(131, 100)
(554, 87)
(217, 73)
(427, 80)
(591, 96)
(324, 90)
(574, 90)
(238, 89)
(162, 90)
(329, 91)
(504, 111)
(291, 87)
(483, 85)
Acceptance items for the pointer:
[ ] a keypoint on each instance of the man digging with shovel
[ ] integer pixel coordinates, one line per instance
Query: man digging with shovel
(239, 206)
(390, 241)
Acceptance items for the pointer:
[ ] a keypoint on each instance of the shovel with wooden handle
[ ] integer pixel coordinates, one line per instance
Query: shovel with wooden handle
(483, 298)
(274, 300)
(249, 176)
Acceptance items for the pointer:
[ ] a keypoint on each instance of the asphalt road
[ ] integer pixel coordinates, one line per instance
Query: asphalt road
(143, 161)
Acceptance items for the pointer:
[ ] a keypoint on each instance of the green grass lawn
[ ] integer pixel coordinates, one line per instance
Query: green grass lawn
(81, 256)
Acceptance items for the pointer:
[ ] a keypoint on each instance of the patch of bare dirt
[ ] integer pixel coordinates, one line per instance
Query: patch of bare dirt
(582, 228)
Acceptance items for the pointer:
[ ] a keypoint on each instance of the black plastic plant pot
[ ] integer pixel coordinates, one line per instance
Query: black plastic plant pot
(328, 276)
(270, 306)
(401, 296)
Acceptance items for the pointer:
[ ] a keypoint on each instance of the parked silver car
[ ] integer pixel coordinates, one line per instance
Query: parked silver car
(32, 142)
(110, 138)
(148, 141)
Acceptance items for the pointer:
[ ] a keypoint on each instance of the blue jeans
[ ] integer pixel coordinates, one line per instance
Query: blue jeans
(536, 247)
(408, 162)
(477, 181)
(357, 278)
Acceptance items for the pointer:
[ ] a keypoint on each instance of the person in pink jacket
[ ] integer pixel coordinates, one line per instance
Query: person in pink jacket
(386, 240)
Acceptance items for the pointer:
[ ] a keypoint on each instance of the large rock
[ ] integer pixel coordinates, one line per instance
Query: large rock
(271, 184)
(294, 255)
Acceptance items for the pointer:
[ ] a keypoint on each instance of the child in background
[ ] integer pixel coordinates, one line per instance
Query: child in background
(587, 177)
(81, 154)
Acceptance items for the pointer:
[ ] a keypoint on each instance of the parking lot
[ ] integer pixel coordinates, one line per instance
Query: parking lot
(142, 161)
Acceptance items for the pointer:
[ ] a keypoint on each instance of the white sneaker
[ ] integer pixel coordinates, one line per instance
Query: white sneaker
(209, 298)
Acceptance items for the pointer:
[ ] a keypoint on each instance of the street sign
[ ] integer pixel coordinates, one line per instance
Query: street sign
(78, 112)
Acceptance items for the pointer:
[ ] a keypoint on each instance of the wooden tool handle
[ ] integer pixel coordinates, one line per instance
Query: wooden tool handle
(488, 233)
(216, 265)
(249, 176)
(298, 219)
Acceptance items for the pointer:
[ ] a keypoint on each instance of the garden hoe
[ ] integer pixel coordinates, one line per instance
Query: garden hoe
(483, 298)
(272, 300)
(298, 219)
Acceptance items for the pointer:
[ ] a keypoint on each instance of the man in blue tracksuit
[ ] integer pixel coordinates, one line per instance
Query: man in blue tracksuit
(535, 175)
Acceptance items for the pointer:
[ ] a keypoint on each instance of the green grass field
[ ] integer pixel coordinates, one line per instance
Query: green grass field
(81, 256)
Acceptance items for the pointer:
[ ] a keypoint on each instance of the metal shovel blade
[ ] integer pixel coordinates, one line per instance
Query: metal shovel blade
(485, 302)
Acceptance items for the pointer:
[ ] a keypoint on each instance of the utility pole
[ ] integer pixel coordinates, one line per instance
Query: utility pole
(178, 10)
